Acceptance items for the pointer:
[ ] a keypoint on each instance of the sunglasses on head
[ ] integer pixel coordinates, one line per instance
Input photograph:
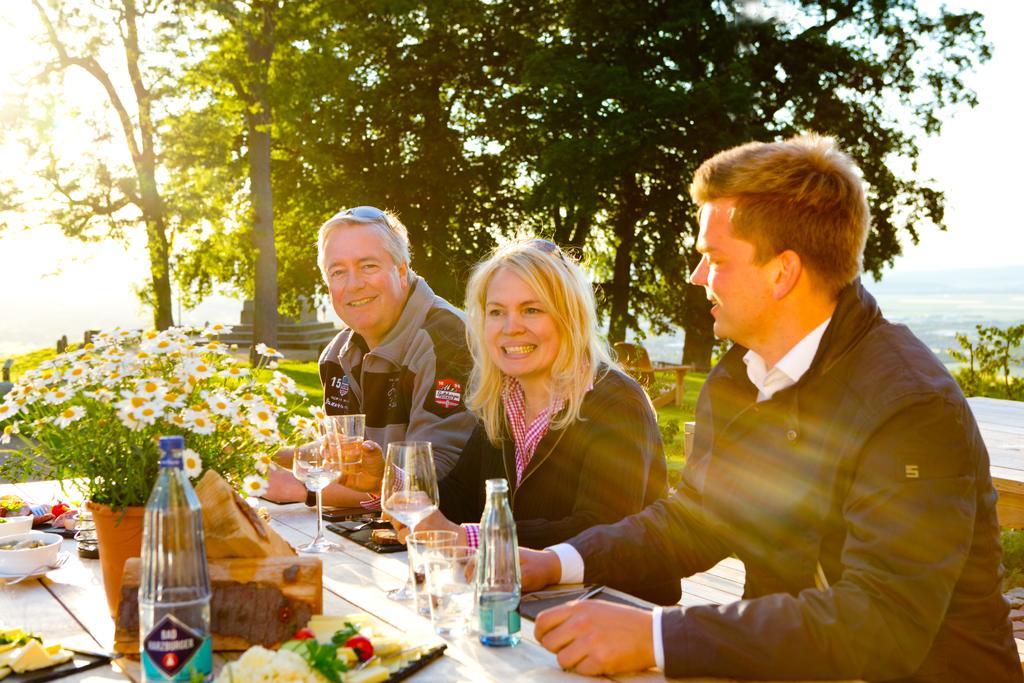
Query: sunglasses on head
(547, 246)
(366, 213)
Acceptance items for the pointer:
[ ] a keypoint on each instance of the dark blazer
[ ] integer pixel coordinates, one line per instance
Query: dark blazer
(608, 464)
(872, 465)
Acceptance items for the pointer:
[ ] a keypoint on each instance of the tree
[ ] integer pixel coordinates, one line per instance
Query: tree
(621, 101)
(102, 193)
(374, 103)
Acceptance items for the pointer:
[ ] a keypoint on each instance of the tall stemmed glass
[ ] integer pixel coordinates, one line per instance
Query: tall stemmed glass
(409, 491)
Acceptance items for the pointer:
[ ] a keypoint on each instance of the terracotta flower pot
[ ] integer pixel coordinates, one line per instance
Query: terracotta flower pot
(119, 535)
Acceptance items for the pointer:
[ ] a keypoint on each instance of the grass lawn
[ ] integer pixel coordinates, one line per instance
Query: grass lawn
(307, 377)
(671, 419)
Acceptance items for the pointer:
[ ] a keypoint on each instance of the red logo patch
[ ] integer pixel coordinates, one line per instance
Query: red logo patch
(447, 393)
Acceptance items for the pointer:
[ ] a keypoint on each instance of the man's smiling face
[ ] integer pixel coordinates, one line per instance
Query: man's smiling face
(368, 289)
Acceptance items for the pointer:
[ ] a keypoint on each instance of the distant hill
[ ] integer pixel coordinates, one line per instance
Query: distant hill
(1008, 279)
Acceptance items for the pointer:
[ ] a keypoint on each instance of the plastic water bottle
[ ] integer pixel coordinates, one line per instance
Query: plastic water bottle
(174, 596)
(499, 581)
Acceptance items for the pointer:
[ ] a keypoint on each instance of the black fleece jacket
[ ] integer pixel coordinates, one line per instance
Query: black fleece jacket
(608, 464)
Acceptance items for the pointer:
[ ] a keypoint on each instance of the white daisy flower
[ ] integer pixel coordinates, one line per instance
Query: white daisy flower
(9, 431)
(278, 394)
(148, 413)
(285, 382)
(199, 421)
(262, 415)
(254, 485)
(236, 371)
(77, 372)
(317, 412)
(268, 351)
(8, 409)
(268, 435)
(192, 463)
(196, 369)
(150, 387)
(162, 344)
(56, 396)
(69, 415)
(221, 405)
(172, 399)
(214, 329)
(263, 461)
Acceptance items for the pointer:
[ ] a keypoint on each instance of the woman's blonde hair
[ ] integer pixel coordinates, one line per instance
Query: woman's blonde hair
(564, 291)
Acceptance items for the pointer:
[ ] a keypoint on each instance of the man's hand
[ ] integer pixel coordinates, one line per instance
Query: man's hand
(539, 568)
(282, 487)
(368, 474)
(594, 637)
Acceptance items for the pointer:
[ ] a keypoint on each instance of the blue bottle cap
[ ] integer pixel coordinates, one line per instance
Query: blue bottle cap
(172, 443)
(170, 451)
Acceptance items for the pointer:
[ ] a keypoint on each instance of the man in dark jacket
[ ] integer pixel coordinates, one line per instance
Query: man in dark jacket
(834, 455)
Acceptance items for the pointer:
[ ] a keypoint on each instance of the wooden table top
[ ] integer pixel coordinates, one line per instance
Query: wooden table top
(1002, 427)
(68, 605)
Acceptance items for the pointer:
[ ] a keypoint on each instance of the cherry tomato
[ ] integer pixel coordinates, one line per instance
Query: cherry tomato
(361, 646)
(303, 634)
(59, 509)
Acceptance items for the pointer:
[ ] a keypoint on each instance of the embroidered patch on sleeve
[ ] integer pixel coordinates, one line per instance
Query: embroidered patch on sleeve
(447, 393)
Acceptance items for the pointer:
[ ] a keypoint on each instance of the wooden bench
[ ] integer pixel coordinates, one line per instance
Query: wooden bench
(636, 361)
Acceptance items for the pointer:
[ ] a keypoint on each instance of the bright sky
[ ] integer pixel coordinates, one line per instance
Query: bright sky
(52, 285)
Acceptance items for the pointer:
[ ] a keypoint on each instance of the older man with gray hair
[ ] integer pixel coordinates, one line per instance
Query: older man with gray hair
(401, 358)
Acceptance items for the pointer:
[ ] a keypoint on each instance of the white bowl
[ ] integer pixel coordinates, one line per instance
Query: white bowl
(23, 561)
(15, 525)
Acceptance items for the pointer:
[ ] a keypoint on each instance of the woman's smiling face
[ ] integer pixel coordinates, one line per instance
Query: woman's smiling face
(521, 334)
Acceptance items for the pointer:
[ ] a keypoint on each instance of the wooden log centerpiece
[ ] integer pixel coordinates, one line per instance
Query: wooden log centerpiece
(262, 590)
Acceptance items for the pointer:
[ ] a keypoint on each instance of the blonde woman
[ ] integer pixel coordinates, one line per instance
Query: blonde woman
(575, 437)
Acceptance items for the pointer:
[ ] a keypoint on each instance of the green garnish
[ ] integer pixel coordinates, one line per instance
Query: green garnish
(341, 637)
(322, 658)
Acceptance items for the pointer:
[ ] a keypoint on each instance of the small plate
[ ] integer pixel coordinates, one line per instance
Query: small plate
(62, 557)
(82, 661)
(426, 657)
(50, 529)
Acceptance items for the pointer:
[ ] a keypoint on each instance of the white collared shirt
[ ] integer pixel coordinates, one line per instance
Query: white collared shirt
(790, 367)
(787, 372)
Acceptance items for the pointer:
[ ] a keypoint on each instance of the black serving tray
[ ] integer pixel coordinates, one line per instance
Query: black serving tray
(362, 537)
(82, 661)
(415, 665)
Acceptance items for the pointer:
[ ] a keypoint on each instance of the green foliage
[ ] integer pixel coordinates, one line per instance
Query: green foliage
(564, 118)
(988, 362)
(1013, 558)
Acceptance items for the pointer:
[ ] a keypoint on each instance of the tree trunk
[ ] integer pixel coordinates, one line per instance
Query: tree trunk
(619, 291)
(160, 270)
(260, 48)
(699, 337)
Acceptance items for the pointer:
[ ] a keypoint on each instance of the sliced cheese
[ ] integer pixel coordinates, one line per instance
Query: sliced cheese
(348, 655)
(7, 657)
(4, 670)
(33, 656)
(373, 674)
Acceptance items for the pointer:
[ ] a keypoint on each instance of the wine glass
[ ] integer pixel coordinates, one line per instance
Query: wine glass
(409, 491)
(317, 465)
